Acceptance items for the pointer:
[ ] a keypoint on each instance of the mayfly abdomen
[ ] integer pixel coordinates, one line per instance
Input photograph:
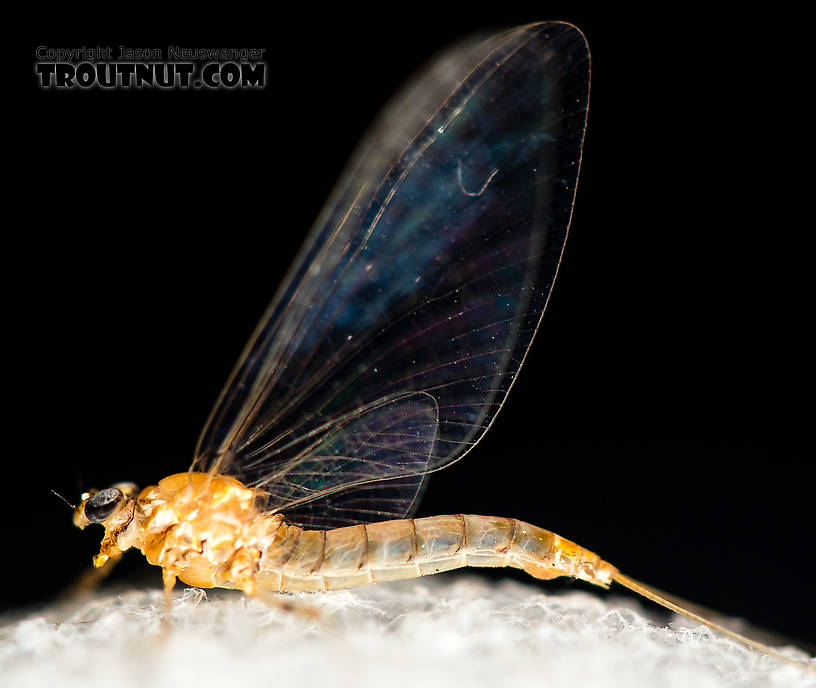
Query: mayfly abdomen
(408, 548)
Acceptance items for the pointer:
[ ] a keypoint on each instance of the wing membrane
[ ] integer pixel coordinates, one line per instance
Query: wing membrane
(424, 278)
(391, 437)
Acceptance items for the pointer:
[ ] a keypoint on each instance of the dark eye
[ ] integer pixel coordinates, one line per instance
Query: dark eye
(102, 504)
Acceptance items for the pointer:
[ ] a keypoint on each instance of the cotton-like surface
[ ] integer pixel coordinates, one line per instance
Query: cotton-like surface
(441, 631)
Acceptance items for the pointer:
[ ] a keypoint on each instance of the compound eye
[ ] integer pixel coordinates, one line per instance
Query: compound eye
(103, 504)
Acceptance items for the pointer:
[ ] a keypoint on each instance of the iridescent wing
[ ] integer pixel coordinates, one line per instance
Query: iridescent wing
(399, 330)
(343, 461)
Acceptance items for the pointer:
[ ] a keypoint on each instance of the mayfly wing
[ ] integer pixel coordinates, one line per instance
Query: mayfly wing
(424, 279)
(393, 436)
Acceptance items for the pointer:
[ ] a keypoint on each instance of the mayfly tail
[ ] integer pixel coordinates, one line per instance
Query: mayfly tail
(667, 601)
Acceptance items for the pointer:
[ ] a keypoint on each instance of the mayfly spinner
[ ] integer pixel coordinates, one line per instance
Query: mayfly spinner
(389, 349)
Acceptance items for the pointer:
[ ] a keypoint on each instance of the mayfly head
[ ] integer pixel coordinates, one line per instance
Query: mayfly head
(113, 508)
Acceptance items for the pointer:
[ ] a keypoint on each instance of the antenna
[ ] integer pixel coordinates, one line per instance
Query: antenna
(63, 499)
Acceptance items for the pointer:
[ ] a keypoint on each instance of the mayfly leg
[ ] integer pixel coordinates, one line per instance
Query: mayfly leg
(90, 579)
(297, 608)
(169, 580)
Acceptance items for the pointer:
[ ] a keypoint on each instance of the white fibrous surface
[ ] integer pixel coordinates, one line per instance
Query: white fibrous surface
(441, 631)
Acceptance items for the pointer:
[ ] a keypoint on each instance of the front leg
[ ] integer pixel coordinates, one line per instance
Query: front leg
(90, 579)
(169, 579)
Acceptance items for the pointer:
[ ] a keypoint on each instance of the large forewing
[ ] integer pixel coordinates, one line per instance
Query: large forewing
(427, 273)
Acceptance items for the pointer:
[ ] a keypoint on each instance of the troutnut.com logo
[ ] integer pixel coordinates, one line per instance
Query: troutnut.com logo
(173, 68)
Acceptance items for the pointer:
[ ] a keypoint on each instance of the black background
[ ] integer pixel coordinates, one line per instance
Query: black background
(664, 416)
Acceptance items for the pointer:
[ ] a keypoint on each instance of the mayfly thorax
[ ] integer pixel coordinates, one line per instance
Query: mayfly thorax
(389, 349)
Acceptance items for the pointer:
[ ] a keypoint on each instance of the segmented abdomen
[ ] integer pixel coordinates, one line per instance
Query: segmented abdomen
(407, 548)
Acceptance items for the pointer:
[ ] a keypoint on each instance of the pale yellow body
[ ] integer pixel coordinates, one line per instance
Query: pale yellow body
(208, 532)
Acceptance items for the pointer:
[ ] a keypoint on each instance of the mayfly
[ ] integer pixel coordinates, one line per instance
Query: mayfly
(389, 349)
